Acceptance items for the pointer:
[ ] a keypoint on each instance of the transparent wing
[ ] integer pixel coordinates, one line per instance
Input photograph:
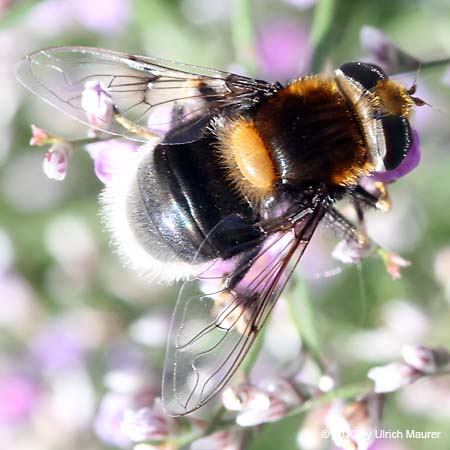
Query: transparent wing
(148, 94)
(217, 318)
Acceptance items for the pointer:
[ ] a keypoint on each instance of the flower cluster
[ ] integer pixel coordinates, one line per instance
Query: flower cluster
(352, 425)
(109, 154)
(418, 361)
(271, 400)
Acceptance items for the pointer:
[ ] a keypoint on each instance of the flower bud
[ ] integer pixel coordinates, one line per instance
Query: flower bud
(97, 104)
(221, 440)
(112, 156)
(57, 160)
(147, 424)
(385, 53)
(40, 136)
(426, 360)
(257, 405)
(394, 263)
(352, 425)
(393, 376)
(351, 251)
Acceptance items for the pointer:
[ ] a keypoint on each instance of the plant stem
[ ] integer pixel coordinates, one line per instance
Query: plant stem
(15, 13)
(302, 314)
(321, 32)
(243, 34)
(344, 392)
(251, 358)
(435, 63)
(329, 25)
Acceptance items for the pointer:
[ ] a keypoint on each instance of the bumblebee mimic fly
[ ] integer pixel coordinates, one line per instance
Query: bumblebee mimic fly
(234, 176)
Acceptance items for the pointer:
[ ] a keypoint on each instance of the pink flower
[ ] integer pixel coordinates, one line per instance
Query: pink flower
(283, 50)
(221, 440)
(385, 53)
(352, 425)
(18, 395)
(393, 376)
(39, 136)
(97, 104)
(108, 421)
(101, 16)
(111, 156)
(256, 405)
(394, 263)
(56, 161)
(147, 424)
(426, 360)
(351, 251)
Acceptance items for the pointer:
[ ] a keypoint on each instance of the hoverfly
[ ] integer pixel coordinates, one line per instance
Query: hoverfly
(232, 187)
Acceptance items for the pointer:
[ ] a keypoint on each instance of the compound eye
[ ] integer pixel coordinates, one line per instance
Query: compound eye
(398, 137)
(368, 75)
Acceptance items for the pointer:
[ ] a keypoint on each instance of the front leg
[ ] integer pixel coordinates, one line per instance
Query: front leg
(375, 195)
(357, 245)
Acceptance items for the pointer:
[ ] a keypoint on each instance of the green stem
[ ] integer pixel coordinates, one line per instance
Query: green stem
(321, 32)
(82, 142)
(435, 63)
(15, 13)
(251, 358)
(302, 314)
(243, 34)
(344, 392)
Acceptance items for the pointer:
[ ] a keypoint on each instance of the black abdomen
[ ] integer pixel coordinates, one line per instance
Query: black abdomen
(182, 197)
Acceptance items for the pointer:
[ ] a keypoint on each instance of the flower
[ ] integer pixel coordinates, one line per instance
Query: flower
(352, 251)
(394, 263)
(393, 376)
(385, 53)
(147, 424)
(56, 349)
(108, 421)
(221, 440)
(104, 16)
(352, 425)
(112, 155)
(39, 136)
(269, 402)
(410, 162)
(97, 104)
(18, 396)
(56, 161)
(283, 50)
(426, 360)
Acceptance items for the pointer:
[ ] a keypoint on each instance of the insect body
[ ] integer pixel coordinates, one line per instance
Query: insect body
(232, 189)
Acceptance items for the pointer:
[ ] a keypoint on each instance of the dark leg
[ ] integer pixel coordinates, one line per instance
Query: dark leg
(379, 199)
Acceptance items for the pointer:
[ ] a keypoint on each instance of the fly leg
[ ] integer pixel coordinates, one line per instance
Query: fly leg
(379, 199)
(356, 243)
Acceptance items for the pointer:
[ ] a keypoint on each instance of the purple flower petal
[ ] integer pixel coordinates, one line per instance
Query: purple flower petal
(110, 156)
(109, 417)
(283, 50)
(385, 53)
(56, 349)
(101, 16)
(18, 395)
(56, 161)
(410, 162)
(97, 104)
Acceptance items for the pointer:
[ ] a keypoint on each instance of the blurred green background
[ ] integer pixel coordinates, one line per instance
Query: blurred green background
(71, 317)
